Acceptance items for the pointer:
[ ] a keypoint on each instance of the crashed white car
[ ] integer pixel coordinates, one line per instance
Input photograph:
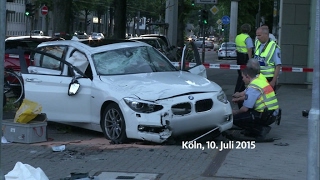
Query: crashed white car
(125, 89)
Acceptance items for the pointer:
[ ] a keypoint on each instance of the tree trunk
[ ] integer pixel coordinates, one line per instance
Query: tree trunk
(61, 17)
(110, 27)
(120, 18)
(181, 24)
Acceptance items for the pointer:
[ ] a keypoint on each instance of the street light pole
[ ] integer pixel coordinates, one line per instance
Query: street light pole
(314, 113)
(3, 21)
(233, 20)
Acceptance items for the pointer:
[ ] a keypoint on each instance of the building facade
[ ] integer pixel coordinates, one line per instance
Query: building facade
(16, 19)
(295, 38)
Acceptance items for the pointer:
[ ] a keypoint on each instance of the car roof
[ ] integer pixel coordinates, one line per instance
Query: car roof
(90, 45)
(163, 37)
(27, 42)
(30, 38)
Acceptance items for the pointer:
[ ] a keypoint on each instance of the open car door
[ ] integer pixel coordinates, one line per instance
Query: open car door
(190, 60)
(46, 83)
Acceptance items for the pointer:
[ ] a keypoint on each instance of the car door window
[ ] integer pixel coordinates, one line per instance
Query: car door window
(79, 60)
(44, 64)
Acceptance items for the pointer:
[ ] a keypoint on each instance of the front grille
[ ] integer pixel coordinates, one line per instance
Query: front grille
(181, 109)
(204, 105)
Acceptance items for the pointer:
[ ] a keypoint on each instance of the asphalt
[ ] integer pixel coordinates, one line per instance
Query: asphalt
(89, 152)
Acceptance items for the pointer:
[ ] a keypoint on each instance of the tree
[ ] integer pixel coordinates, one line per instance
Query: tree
(101, 8)
(61, 20)
(120, 19)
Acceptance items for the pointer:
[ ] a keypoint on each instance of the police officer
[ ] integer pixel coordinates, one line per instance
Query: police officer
(258, 100)
(244, 47)
(267, 52)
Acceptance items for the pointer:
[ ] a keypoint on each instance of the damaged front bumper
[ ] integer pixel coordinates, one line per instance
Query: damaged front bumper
(179, 117)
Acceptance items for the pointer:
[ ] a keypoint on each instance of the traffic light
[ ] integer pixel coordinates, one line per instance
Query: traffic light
(30, 9)
(222, 27)
(192, 3)
(200, 17)
(203, 17)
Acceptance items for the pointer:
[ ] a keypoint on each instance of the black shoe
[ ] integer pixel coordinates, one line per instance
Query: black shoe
(278, 117)
(264, 132)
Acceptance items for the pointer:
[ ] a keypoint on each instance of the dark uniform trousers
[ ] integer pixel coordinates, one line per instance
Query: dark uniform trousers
(242, 59)
(253, 121)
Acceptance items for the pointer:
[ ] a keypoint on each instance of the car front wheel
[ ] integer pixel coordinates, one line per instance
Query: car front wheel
(113, 124)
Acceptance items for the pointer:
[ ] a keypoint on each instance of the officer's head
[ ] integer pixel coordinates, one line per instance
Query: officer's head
(262, 34)
(245, 28)
(254, 65)
(251, 71)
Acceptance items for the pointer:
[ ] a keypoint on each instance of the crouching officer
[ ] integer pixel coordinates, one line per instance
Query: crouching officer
(260, 105)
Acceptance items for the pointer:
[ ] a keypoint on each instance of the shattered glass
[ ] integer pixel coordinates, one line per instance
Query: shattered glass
(131, 60)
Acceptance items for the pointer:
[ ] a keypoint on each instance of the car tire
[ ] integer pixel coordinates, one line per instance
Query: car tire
(113, 124)
(219, 58)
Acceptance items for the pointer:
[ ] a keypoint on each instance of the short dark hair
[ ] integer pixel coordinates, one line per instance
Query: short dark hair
(246, 28)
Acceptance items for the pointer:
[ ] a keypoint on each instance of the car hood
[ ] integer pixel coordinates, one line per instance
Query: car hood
(160, 85)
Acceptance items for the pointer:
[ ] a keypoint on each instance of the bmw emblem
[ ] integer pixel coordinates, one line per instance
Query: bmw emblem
(191, 97)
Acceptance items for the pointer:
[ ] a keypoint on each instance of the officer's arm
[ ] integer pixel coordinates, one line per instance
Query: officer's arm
(241, 110)
(277, 60)
(249, 44)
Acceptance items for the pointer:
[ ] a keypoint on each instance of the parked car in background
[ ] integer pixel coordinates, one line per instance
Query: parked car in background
(36, 33)
(211, 38)
(98, 36)
(81, 35)
(163, 37)
(125, 89)
(227, 50)
(159, 44)
(192, 38)
(25, 43)
(208, 44)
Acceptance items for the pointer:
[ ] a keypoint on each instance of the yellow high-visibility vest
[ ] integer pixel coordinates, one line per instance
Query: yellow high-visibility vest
(241, 43)
(268, 69)
(268, 97)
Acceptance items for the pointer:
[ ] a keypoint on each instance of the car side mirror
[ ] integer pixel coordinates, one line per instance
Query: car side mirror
(73, 88)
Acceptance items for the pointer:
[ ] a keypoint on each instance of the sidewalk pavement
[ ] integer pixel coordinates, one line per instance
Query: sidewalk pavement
(283, 159)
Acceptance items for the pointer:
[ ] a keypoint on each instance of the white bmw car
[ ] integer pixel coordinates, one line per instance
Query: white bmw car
(124, 89)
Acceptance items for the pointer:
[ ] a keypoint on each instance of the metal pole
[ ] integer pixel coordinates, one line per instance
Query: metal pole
(171, 18)
(313, 118)
(233, 20)
(2, 51)
(203, 42)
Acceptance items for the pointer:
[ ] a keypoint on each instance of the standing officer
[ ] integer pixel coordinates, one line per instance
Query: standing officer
(260, 107)
(244, 52)
(267, 52)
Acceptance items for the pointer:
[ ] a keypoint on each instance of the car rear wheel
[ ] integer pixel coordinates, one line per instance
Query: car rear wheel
(219, 58)
(113, 124)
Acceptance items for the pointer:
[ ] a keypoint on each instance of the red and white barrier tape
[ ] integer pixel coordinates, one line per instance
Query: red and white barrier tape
(237, 67)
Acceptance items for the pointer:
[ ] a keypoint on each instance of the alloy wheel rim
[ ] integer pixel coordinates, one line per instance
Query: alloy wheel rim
(113, 124)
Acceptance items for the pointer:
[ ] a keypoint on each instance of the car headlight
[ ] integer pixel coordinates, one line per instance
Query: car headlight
(222, 97)
(141, 106)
